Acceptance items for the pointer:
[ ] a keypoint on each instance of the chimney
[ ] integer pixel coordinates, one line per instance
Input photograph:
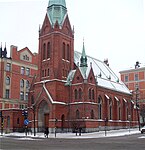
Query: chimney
(13, 50)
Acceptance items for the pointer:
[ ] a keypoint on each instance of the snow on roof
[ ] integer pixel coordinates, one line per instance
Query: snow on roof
(105, 77)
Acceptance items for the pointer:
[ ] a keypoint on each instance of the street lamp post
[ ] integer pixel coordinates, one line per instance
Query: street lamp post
(137, 107)
(34, 109)
(34, 120)
(106, 121)
(55, 126)
(129, 117)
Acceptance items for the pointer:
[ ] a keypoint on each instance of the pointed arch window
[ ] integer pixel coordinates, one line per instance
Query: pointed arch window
(80, 94)
(76, 94)
(63, 50)
(89, 93)
(110, 109)
(93, 94)
(92, 114)
(99, 107)
(127, 113)
(68, 52)
(119, 110)
(48, 50)
(44, 51)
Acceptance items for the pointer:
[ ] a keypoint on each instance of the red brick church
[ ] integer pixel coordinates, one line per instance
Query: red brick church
(73, 90)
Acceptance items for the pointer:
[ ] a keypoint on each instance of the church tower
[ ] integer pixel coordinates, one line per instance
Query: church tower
(56, 43)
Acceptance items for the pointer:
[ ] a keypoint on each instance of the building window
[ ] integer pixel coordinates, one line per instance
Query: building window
(119, 109)
(48, 50)
(127, 113)
(99, 107)
(89, 93)
(42, 73)
(8, 67)
(44, 51)
(7, 81)
(126, 78)
(136, 77)
(48, 72)
(27, 84)
(7, 94)
(26, 96)
(76, 94)
(93, 95)
(68, 52)
(80, 94)
(21, 83)
(63, 51)
(27, 71)
(110, 109)
(45, 72)
(92, 114)
(21, 95)
(22, 70)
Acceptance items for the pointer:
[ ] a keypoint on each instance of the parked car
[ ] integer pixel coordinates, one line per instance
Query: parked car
(142, 129)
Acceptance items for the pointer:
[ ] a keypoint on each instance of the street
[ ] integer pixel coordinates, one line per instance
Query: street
(129, 142)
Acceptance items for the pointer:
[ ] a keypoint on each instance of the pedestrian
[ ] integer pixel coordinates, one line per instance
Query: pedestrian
(80, 130)
(76, 130)
(46, 132)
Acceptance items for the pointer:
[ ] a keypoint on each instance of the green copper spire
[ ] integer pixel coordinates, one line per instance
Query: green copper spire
(83, 57)
(57, 2)
(56, 11)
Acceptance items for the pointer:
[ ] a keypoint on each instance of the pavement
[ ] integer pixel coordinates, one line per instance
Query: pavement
(69, 135)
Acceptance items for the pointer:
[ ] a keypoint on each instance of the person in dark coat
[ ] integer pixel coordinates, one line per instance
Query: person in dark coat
(46, 132)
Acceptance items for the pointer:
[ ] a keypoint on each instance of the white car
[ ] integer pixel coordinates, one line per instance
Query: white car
(142, 129)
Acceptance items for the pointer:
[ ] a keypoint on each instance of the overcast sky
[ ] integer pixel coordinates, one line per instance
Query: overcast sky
(113, 29)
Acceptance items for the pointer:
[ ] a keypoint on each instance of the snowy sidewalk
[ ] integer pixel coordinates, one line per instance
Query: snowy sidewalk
(100, 134)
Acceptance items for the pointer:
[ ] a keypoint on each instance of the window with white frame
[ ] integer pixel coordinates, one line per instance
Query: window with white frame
(7, 93)
(21, 95)
(21, 83)
(99, 107)
(26, 96)
(27, 84)
(136, 77)
(126, 78)
(22, 70)
(7, 80)
(27, 71)
(8, 67)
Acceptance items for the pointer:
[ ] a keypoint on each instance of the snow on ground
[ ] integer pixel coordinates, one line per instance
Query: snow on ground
(100, 134)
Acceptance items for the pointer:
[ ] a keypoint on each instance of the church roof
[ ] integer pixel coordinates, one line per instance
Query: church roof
(105, 77)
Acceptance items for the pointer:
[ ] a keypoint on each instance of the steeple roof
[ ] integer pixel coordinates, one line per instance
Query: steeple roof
(83, 58)
(57, 2)
(56, 11)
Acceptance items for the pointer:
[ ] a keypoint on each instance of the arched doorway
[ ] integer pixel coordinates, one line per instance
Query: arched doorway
(43, 116)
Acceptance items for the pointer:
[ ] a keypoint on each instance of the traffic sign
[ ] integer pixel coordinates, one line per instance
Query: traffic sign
(26, 122)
